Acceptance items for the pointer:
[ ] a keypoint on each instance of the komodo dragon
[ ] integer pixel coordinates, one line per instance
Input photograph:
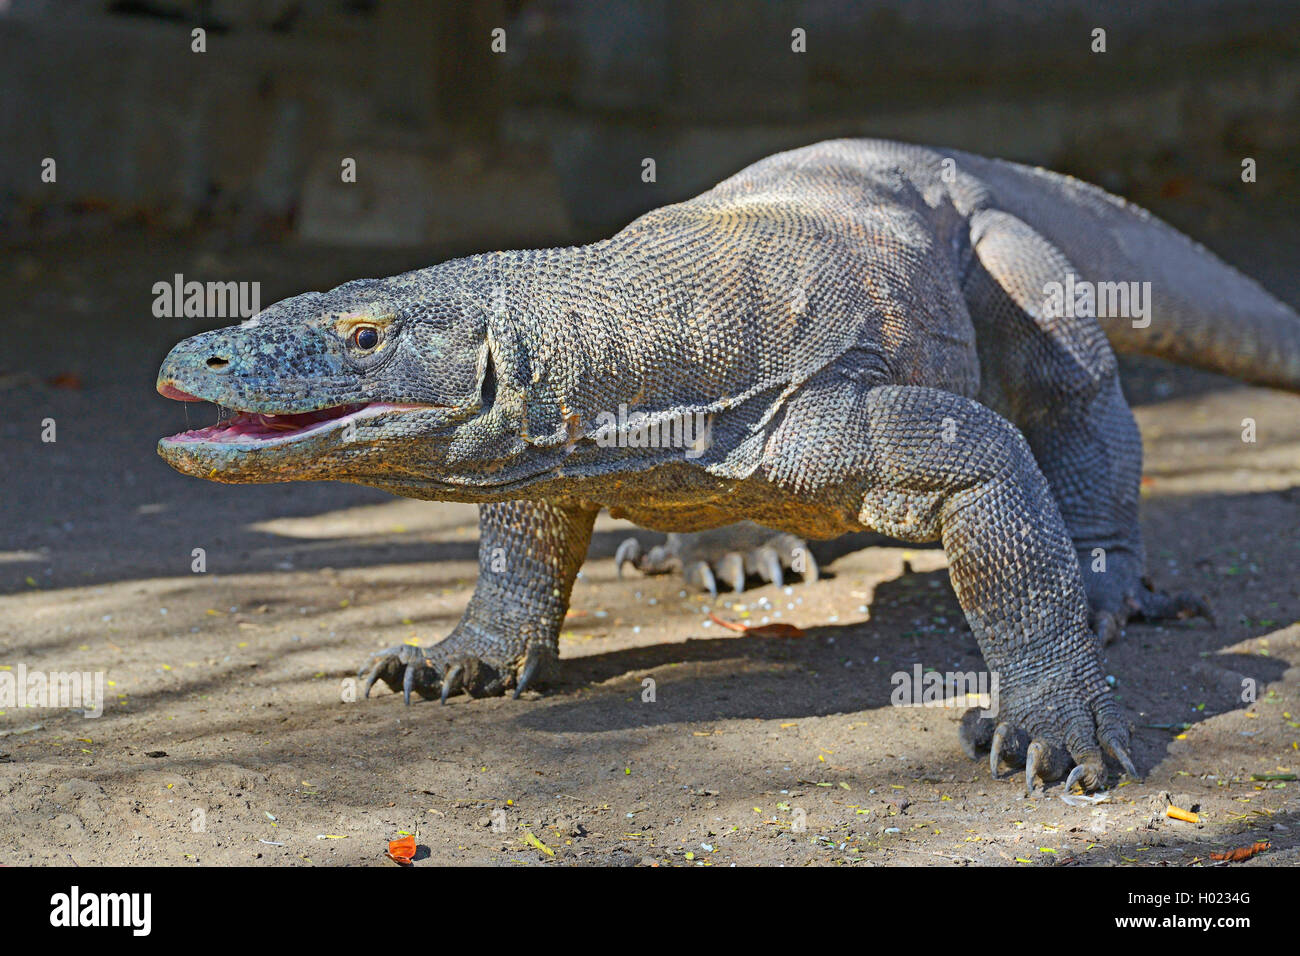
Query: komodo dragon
(863, 329)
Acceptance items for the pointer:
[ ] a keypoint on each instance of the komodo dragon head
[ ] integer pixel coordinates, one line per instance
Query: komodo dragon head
(387, 381)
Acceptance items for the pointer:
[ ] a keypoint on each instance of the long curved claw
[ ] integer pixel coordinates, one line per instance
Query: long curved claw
(732, 570)
(436, 673)
(370, 680)
(1121, 756)
(1126, 762)
(700, 575)
(995, 748)
(387, 666)
(449, 682)
(1035, 757)
(768, 564)
(532, 664)
(1053, 736)
(408, 682)
(629, 552)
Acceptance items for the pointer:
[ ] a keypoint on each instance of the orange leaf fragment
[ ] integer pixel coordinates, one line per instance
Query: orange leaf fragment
(403, 850)
(1242, 852)
(780, 629)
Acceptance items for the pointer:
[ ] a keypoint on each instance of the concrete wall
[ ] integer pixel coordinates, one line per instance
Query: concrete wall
(546, 141)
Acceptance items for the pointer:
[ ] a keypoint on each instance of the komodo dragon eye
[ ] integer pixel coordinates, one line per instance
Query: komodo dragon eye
(366, 337)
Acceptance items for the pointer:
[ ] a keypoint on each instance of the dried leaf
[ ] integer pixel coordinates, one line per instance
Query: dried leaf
(780, 629)
(1242, 852)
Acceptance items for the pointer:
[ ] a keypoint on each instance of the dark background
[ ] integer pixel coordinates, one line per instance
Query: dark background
(543, 143)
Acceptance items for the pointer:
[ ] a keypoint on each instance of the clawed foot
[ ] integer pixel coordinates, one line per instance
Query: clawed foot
(1111, 613)
(1049, 736)
(732, 555)
(440, 672)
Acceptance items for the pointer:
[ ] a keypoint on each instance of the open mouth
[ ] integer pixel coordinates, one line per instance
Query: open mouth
(268, 428)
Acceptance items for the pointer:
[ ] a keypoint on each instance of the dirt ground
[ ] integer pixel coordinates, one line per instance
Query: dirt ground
(228, 736)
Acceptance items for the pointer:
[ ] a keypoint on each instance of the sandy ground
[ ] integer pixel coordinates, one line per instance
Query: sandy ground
(229, 735)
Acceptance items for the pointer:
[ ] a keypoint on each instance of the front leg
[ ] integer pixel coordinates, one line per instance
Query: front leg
(920, 464)
(529, 554)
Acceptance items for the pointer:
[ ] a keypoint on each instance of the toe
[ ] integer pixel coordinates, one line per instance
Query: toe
(408, 683)
(975, 733)
(700, 575)
(372, 673)
(1009, 743)
(482, 678)
(451, 683)
(804, 563)
(1159, 606)
(1113, 734)
(767, 565)
(1046, 760)
(538, 661)
(629, 552)
(795, 555)
(387, 666)
(1119, 753)
(1107, 625)
(405, 669)
(731, 570)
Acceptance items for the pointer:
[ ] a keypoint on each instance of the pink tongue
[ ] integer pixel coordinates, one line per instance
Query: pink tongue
(269, 425)
(257, 426)
(171, 391)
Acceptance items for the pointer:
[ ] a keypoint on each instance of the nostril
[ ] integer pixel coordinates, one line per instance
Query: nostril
(217, 362)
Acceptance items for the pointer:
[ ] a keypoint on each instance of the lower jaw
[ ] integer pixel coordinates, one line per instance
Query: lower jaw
(244, 464)
(244, 451)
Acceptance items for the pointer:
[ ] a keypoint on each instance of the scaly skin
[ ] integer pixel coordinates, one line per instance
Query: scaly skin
(854, 333)
(529, 555)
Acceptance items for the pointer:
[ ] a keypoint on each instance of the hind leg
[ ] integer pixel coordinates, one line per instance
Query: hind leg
(1057, 379)
(1092, 457)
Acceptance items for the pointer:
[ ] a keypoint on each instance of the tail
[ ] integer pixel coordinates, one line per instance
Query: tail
(1203, 312)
